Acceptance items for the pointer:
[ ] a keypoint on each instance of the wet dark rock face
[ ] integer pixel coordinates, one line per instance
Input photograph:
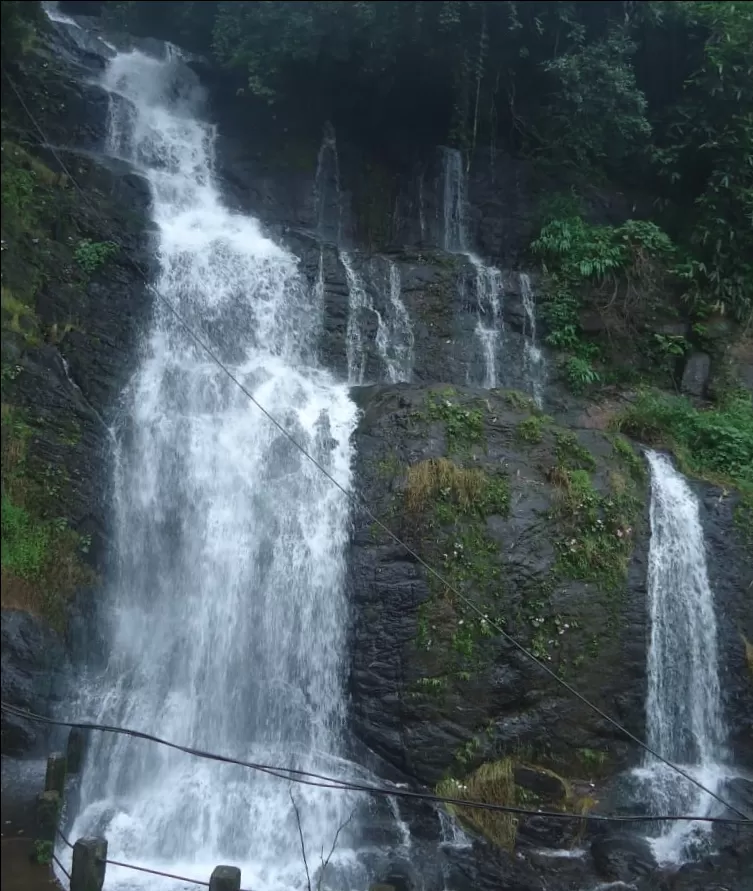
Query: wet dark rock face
(64, 371)
(433, 691)
(33, 659)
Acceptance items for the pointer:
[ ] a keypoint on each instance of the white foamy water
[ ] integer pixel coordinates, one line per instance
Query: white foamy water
(534, 369)
(52, 9)
(226, 611)
(394, 338)
(683, 705)
(360, 307)
(487, 279)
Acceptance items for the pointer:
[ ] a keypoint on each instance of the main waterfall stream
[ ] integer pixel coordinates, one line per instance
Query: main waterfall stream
(226, 614)
(683, 705)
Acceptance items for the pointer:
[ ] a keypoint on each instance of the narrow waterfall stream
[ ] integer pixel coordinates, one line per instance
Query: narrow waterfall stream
(533, 359)
(488, 279)
(683, 705)
(227, 614)
(360, 307)
(394, 337)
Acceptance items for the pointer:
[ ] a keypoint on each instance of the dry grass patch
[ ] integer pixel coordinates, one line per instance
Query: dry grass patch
(439, 476)
(492, 783)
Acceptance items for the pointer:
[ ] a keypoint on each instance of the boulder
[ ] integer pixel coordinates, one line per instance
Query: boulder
(695, 377)
(622, 857)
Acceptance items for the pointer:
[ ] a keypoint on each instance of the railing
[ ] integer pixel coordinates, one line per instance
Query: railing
(89, 860)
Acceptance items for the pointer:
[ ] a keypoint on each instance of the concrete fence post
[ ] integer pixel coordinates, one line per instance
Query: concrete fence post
(57, 768)
(88, 867)
(48, 813)
(224, 878)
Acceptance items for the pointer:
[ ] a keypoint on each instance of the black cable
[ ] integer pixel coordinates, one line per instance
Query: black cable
(61, 867)
(358, 501)
(309, 778)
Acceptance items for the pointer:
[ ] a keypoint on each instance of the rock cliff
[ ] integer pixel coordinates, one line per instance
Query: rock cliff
(537, 514)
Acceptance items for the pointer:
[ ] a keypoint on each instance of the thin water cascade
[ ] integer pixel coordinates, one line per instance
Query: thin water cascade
(533, 359)
(52, 10)
(394, 338)
(683, 705)
(488, 279)
(394, 333)
(226, 614)
(359, 307)
(328, 171)
(488, 324)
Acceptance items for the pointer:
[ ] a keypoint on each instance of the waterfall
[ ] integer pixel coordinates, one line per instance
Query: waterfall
(488, 289)
(683, 705)
(533, 359)
(488, 279)
(455, 238)
(394, 332)
(328, 171)
(394, 339)
(226, 614)
(359, 306)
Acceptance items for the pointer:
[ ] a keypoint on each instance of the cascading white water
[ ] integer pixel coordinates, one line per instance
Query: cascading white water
(394, 338)
(394, 334)
(52, 10)
(533, 359)
(227, 613)
(683, 705)
(488, 325)
(359, 307)
(488, 279)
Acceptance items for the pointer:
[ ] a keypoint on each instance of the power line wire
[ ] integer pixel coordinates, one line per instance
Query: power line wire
(310, 778)
(361, 504)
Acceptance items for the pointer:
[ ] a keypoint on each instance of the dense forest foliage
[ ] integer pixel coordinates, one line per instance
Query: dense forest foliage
(655, 98)
(657, 94)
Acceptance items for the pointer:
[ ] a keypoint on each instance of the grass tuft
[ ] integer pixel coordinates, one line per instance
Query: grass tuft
(492, 783)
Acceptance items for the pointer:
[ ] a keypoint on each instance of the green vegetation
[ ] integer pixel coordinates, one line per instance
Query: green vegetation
(19, 21)
(598, 529)
(43, 851)
(447, 505)
(715, 444)
(464, 427)
(90, 255)
(655, 94)
(41, 555)
(628, 457)
(571, 454)
(591, 759)
(25, 542)
(531, 429)
(619, 271)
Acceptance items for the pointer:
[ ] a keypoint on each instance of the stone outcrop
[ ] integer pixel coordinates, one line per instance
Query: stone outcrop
(74, 302)
(434, 690)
